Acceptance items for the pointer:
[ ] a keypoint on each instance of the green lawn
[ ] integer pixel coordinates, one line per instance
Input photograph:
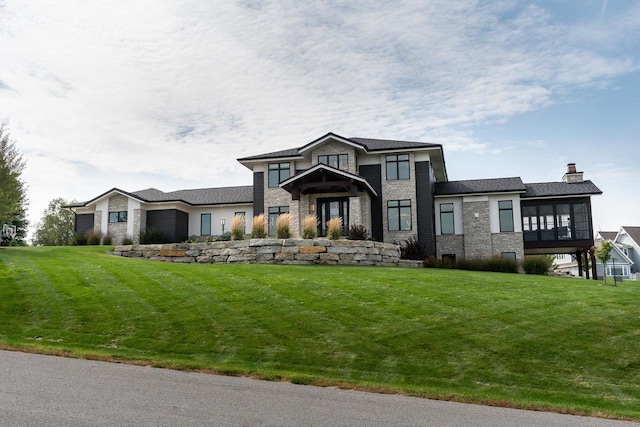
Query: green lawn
(514, 340)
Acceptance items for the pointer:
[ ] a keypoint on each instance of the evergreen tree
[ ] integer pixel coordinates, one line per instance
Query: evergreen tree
(13, 200)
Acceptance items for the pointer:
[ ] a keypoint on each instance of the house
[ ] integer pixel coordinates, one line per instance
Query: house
(625, 255)
(395, 189)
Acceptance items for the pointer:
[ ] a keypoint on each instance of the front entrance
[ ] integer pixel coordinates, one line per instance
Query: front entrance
(333, 208)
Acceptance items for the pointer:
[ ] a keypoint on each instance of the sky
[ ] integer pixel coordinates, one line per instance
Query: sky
(169, 93)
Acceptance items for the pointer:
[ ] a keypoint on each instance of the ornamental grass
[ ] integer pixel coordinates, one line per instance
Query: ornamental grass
(310, 227)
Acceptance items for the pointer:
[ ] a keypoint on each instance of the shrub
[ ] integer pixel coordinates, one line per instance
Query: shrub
(107, 240)
(259, 227)
(79, 239)
(224, 237)
(358, 232)
(413, 249)
(334, 228)
(127, 241)
(94, 238)
(310, 227)
(539, 264)
(502, 265)
(237, 227)
(283, 226)
(433, 262)
(151, 235)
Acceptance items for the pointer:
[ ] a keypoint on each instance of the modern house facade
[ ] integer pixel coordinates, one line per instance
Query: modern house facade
(395, 189)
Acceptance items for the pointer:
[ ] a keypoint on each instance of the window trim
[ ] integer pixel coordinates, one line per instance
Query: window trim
(393, 162)
(399, 206)
(120, 216)
(283, 172)
(202, 216)
(271, 221)
(502, 210)
(453, 219)
(338, 157)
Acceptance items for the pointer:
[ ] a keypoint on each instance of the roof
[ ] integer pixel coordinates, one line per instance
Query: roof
(287, 184)
(633, 232)
(202, 196)
(480, 186)
(561, 189)
(367, 144)
(608, 235)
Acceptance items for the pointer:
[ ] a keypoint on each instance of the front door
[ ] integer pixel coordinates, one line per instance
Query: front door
(333, 208)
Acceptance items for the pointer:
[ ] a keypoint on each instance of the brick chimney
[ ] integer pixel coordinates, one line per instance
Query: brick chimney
(572, 176)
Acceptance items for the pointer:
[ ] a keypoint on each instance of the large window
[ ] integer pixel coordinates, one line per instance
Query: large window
(338, 161)
(118, 216)
(617, 270)
(399, 215)
(446, 218)
(274, 213)
(205, 224)
(278, 172)
(333, 208)
(398, 167)
(559, 221)
(505, 208)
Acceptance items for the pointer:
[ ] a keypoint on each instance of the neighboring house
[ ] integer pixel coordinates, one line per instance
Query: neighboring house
(625, 255)
(395, 189)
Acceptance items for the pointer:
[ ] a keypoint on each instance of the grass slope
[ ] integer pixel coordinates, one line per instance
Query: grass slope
(513, 340)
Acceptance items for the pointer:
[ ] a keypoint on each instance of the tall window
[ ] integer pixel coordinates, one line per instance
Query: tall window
(278, 172)
(563, 221)
(581, 221)
(338, 161)
(274, 213)
(505, 208)
(397, 167)
(446, 218)
(530, 223)
(399, 215)
(118, 216)
(205, 224)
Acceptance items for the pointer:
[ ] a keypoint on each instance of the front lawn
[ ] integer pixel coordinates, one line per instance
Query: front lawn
(524, 341)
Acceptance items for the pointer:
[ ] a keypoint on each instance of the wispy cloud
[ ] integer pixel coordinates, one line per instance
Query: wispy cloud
(182, 88)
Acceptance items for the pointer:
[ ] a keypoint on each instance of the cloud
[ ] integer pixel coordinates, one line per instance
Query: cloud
(180, 89)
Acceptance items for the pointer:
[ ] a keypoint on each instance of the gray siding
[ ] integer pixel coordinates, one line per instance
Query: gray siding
(258, 193)
(84, 223)
(174, 224)
(424, 197)
(373, 174)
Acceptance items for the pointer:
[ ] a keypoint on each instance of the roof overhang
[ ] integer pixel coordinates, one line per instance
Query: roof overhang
(330, 137)
(322, 178)
(104, 195)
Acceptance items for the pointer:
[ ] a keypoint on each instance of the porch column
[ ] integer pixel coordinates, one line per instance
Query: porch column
(585, 254)
(593, 264)
(294, 210)
(355, 212)
(579, 259)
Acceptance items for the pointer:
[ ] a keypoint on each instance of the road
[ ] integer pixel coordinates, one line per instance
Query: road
(37, 390)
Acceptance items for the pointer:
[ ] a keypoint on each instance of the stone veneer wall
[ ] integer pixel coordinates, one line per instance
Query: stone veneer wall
(118, 230)
(450, 244)
(477, 231)
(272, 251)
(508, 242)
(401, 189)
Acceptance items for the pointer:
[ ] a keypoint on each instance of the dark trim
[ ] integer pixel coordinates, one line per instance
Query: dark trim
(83, 223)
(173, 223)
(373, 175)
(425, 188)
(258, 193)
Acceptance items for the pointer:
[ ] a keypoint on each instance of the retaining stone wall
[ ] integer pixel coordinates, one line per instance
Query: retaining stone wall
(272, 251)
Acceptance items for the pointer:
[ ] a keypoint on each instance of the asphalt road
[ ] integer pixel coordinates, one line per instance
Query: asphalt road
(38, 390)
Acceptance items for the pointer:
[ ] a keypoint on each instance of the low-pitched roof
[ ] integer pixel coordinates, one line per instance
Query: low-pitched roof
(480, 186)
(197, 197)
(561, 189)
(331, 170)
(367, 144)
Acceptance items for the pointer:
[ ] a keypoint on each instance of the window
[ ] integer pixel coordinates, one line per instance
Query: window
(561, 221)
(399, 215)
(118, 216)
(509, 255)
(274, 213)
(278, 172)
(205, 224)
(505, 208)
(397, 167)
(333, 208)
(617, 270)
(338, 161)
(446, 218)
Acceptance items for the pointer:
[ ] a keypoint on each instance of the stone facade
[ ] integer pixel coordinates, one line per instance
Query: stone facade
(450, 244)
(477, 229)
(401, 189)
(271, 251)
(507, 242)
(118, 230)
(334, 147)
(139, 224)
